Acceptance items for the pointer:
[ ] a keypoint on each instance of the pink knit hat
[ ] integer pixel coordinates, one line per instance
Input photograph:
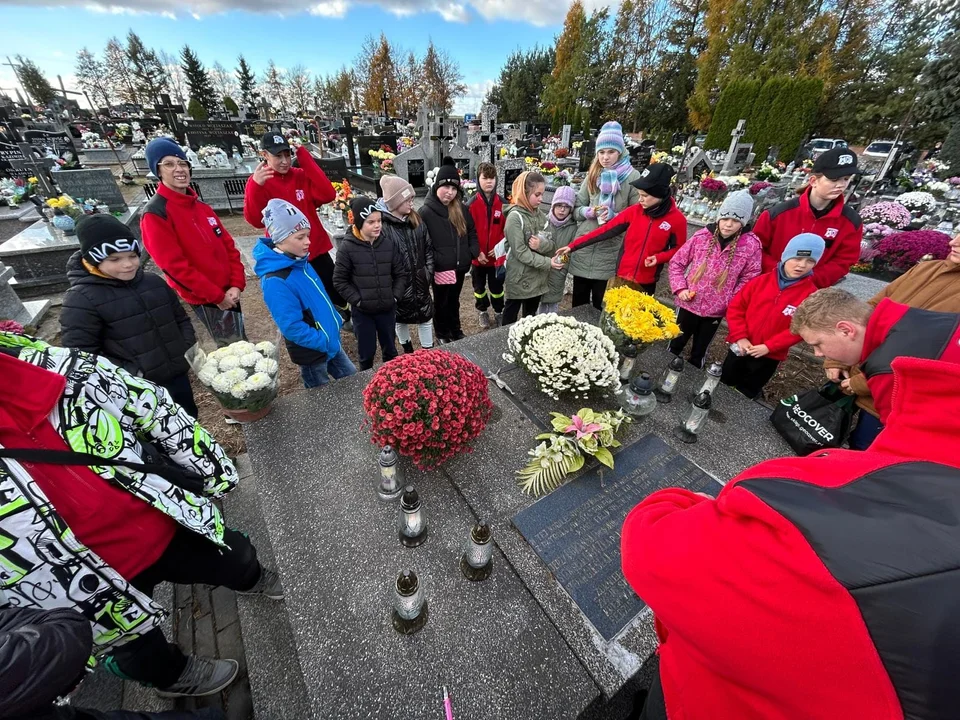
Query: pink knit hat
(564, 195)
(395, 191)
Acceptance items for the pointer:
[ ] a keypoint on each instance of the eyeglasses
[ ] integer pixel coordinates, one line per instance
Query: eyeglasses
(174, 164)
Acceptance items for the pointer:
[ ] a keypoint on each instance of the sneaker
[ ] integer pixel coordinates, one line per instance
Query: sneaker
(230, 421)
(347, 326)
(201, 677)
(498, 319)
(457, 335)
(268, 585)
(484, 320)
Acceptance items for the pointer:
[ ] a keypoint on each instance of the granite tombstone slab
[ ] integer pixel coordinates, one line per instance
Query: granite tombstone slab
(96, 183)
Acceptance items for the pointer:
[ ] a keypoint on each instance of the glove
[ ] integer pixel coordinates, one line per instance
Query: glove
(589, 213)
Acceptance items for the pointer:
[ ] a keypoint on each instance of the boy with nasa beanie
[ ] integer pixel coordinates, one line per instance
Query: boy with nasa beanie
(115, 309)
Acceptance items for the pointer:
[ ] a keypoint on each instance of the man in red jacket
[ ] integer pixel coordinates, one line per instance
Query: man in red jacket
(307, 187)
(655, 229)
(840, 327)
(759, 316)
(486, 208)
(190, 245)
(831, 579)
(820, 210)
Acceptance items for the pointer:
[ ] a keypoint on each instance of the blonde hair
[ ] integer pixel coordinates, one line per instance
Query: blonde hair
(593, 175)
(455, 215)
(825, 308)
(414, 219)
(523, 186)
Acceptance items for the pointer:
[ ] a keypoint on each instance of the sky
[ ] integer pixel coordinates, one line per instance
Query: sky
(479, 34)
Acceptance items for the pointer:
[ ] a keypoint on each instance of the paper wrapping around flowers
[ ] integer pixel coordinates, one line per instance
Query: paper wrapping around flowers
(242, 375)
(637, 317)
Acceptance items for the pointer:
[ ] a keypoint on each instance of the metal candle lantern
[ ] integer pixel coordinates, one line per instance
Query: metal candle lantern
(696, 418)
(477, 560)
(391, 474)
(669, 380)
(409, 604)
(627, 362)
(637, 398)
(713, 378)
(413, 521)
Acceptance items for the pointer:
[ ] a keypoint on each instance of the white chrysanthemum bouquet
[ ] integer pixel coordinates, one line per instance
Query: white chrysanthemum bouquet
(564, 355)
(242, 376)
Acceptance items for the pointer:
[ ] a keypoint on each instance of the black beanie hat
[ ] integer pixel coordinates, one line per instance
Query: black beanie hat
(655, 180)
(361, 207)
(101, 235)
(447, 174)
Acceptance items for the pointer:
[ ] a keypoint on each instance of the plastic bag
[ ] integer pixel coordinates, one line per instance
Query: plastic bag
(224, 326)
(815, 420)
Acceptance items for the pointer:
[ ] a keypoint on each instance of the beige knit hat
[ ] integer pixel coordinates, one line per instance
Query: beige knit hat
(395, 191)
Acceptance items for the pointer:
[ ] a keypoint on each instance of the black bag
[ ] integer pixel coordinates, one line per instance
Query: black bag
(815, 420)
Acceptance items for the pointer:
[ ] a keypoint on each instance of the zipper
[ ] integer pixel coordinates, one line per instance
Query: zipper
(329, 304)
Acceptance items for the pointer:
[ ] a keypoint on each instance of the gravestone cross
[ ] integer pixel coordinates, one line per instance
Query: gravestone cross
(565, 136)
(348, 131)
(171, 113)
(39, 171)
(737, 133)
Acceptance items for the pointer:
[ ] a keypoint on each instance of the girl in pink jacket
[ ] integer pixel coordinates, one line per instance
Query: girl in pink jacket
(708, 270)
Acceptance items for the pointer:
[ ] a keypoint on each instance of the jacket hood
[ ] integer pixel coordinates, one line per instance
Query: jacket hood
(507, 210)
(77, 274)
(267, 260)
(27, 409)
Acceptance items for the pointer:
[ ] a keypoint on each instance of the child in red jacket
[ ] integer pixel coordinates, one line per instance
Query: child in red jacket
(306, 187)
(655, 229)
(759, 316)
(487, 274)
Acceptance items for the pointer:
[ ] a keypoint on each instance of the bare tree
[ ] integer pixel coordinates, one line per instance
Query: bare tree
(118, 69)
(175, 77)
(224, 83)
(273, 86)
(442, 79)
(92, 77)
(299, 88)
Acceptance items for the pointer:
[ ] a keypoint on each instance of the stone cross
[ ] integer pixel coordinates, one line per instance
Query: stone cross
(348, 131)
(737, 133)
(39, 171)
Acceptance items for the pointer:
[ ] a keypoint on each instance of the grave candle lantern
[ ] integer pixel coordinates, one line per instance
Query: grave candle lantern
(669, 380)
(713, 378)
(477, 561)
(699, 410)
(627, 361)
(409, 604)
(391, 474)
(413, 521)
(637, 398)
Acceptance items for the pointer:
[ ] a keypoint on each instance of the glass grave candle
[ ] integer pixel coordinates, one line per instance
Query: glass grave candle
(637, 398)
(391, 474)
(669, 380)
(628, 358)
(696, 418)
(713, 378)
(477, 561)
(409, 604)
(413, 521)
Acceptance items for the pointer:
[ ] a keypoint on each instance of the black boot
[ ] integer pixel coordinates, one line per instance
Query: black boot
(366, 365)
(407, 346)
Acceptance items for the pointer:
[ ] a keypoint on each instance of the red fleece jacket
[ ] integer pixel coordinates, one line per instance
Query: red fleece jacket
(490, 222)
(122, 529)
(759, 621)
(189, 244)
(841, 230)
(307, 187)
(761, 312)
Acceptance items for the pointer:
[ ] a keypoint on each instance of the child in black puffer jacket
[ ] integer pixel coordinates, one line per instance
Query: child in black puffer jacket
(115, 309)
(370, 275)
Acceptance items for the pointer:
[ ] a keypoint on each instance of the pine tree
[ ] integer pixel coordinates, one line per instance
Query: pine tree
(520, 86)
(561, 87)
(92, 77)
(34, 82)
(148, 75)
(198, 82)
(942, 75)
(442, 79)
(231, 105)
(196, 110)
(246, 81)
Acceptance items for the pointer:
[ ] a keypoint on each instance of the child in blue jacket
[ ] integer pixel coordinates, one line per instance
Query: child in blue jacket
(300, 306)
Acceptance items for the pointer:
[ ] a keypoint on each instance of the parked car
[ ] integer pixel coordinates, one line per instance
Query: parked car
(879, 149)
(817, 146)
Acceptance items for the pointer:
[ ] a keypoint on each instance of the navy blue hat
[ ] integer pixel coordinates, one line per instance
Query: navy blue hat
(159, 148)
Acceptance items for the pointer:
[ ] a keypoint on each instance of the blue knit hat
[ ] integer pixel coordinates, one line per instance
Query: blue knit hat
(804, 245)
(159, 148)
(610, 137)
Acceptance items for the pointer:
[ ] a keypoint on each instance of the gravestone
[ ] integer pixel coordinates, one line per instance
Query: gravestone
(96, 183)
(735, 135)
(575, 530)
(587, 150)
(13, 308)
(59, 143)
(742, 156)
(12, 162)
(694, 164)
(507, 171)
(224, 134)
(565, 136)
(366, 143)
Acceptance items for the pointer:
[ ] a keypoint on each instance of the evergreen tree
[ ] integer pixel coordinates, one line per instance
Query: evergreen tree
(34, 82)
(942, 75)
(231, 105)
(92, 77)
(198, 82)
(196, 110)
(735, 102)
(521, 85)
(674, 81)
(379, 73)
(246, 80)
(950, 152)
(148, 74)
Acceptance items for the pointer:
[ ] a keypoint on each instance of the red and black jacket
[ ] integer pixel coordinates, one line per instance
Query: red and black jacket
(489, 220)
(660, 230)
(841, 229)
(831, 580)
(761, 312)
(896, 330)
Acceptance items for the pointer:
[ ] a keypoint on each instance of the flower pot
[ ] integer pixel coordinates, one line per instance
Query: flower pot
(246, 416)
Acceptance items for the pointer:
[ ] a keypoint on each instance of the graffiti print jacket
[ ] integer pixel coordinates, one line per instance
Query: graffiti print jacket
(104, 411)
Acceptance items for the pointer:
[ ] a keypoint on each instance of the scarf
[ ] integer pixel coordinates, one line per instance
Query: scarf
(611, 180)
(557, 223)
(784, 282)
(518, 196)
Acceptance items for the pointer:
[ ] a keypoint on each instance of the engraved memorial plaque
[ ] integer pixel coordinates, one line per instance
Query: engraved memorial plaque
(576, 529)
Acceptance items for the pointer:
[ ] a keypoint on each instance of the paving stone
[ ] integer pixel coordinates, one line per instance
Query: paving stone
(204, 636)
(224, 603)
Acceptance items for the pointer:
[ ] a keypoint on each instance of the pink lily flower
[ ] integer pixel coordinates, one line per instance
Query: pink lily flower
(582, 430)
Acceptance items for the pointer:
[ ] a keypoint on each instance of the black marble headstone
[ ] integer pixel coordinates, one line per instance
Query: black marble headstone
(224, 134)
(576, 529)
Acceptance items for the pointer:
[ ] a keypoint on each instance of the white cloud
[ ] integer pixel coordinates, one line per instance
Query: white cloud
(536, 12)
(471, 101)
